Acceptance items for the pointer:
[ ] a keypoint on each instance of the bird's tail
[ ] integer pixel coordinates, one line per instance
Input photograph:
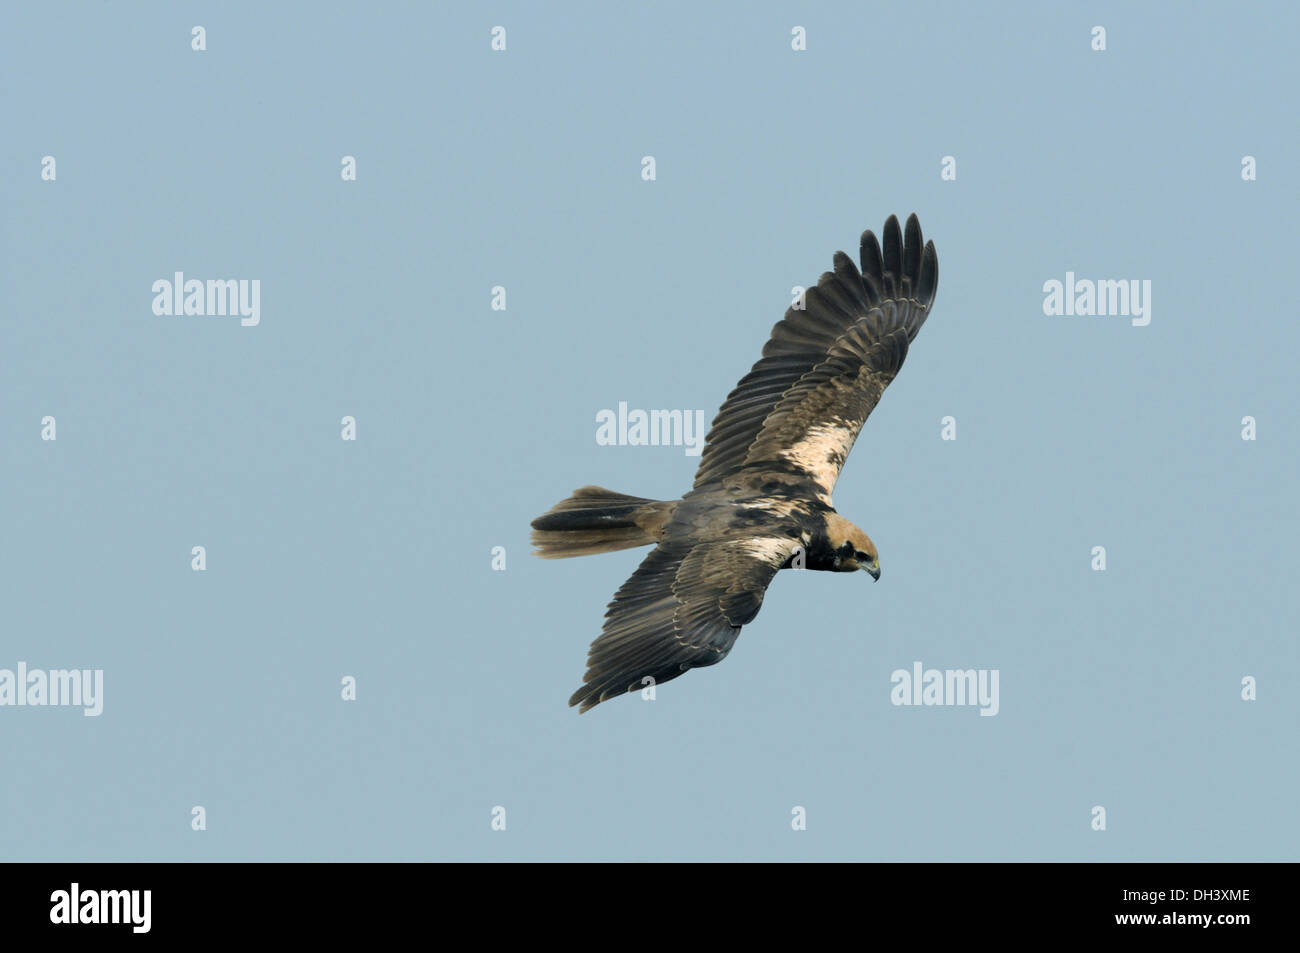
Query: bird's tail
(596, 520)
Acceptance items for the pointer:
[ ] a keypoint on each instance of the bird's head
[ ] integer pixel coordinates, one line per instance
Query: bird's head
(853, 548)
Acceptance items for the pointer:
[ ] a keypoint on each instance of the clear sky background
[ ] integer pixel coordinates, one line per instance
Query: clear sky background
(522, 168)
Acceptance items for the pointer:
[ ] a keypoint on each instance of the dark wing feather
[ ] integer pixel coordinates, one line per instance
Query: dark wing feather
(824, 367)
(682, 609)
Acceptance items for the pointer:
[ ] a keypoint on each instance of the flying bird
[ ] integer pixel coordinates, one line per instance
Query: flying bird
(762, 495)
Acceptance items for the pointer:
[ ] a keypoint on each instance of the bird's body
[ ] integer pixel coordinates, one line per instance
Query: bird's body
(762, 495)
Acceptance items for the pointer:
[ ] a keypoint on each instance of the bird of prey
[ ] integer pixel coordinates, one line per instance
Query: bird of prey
(762, 495)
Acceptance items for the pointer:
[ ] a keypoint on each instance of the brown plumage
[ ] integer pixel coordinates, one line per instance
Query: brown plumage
(762, 495)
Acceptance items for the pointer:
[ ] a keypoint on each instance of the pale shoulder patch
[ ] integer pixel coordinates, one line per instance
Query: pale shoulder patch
(772, 550)
(822, 450)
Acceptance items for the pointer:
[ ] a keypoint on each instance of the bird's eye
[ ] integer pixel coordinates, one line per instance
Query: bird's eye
(862, 557)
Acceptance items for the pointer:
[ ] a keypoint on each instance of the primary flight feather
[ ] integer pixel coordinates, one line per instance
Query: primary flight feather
(762, 494)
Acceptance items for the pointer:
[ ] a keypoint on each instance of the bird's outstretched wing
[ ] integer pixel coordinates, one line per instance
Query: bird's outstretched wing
(682, 609)
(822, 372)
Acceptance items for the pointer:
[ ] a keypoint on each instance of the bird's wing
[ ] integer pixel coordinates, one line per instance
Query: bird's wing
(825, 366)
(682, 609)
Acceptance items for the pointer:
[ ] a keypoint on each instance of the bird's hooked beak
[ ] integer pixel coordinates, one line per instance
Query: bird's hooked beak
(874, 569)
